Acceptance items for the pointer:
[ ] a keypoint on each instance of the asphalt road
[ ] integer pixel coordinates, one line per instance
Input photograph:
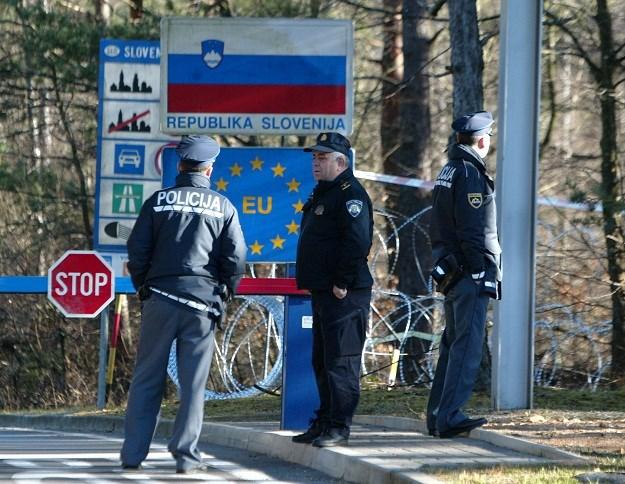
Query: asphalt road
(40, 456)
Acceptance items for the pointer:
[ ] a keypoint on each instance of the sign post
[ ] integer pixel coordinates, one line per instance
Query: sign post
(81, 284)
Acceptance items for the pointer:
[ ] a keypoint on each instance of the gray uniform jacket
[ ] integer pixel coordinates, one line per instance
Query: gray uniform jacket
(187, 240)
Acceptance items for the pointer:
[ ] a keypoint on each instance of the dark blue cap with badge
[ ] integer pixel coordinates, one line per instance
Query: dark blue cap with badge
(197, 149)
(329, 142)
(474, 124)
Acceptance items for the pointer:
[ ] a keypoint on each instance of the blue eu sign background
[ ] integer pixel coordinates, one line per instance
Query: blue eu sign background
(268, 186)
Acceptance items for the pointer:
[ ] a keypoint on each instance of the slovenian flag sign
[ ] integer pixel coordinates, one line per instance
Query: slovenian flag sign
(255, 76)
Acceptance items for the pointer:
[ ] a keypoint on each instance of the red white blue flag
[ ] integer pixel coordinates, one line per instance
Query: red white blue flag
(239, 75)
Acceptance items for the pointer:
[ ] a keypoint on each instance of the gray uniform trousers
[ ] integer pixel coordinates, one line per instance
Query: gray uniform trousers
(460, 354)
(162, 321)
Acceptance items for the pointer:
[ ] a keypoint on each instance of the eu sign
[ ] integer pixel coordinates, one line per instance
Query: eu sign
(268, 186)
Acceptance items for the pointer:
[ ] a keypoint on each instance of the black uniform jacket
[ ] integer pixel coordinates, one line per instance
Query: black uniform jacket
(335, 236)
(187, 240)
(464, 217)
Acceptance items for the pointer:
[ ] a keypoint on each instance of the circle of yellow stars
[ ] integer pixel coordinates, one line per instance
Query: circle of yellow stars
(292, 228)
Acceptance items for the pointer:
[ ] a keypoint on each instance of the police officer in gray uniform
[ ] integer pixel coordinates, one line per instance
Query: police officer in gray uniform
(186, 255)
(465, 247)
(335, 239)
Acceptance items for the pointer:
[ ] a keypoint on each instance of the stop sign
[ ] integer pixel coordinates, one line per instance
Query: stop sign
(81, 284)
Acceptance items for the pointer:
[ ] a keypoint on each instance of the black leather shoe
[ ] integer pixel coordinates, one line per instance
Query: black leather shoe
(433, 432)
(129, 467)
(316, 429)
(463, 427)
(332, 437)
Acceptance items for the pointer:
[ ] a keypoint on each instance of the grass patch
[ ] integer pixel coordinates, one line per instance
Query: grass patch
(408, 402)
(530, 475)
(258, 408)
(580, 400)
(400, 401)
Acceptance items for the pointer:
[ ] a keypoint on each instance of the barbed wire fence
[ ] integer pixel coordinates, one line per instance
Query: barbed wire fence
(572, 327)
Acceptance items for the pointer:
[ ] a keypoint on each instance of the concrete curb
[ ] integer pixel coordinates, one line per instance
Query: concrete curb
(338, 462)
(490, 436)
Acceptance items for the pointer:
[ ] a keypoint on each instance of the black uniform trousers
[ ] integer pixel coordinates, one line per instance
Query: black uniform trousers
(460, 354)
(339, 332)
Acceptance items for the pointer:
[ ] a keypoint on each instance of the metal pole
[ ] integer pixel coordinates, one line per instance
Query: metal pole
(517, 173)
(104, 338)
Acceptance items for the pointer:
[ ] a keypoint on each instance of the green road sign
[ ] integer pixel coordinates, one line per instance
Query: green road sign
(127, 198)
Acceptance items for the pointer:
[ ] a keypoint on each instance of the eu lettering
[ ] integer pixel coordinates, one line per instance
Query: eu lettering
(253, 205)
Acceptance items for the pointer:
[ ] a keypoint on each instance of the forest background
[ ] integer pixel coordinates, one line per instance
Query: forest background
(417, 65)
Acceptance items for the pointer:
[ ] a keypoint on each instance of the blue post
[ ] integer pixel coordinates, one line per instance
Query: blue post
(300, 398)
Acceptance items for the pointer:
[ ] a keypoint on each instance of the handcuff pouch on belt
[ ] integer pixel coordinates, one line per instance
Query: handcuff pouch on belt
(447, 272)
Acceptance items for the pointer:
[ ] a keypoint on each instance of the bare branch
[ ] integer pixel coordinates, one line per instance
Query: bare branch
(556, 21)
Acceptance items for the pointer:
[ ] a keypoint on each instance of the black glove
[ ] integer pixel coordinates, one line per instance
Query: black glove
(446, 273)
(144, 293)
(224, 292)
(220, 306)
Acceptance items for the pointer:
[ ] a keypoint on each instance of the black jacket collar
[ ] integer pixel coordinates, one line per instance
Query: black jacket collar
(324, 186)
(465, 152)
(192, 180)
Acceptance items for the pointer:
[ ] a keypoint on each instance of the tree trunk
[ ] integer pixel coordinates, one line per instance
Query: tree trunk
(405, 131)
(391, 80)
(611, 197)
(467, 63)
(414, 113)
(136, 9)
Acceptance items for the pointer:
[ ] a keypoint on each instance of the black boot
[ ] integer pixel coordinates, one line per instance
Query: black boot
(317, 427)
(463, 427)
(332, 437)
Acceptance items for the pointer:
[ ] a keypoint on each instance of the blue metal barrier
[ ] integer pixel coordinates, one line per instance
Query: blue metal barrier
(299, 391)
(39, 285)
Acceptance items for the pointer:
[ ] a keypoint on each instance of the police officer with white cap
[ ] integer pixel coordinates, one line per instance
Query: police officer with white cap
(186, 255)
(332, 250)
(466, 252)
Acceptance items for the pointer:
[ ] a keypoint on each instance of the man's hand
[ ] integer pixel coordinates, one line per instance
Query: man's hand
(338, 292)
(224, 292)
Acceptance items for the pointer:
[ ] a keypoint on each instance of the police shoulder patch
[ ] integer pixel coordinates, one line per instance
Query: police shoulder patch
(354, 207)
(475, 199)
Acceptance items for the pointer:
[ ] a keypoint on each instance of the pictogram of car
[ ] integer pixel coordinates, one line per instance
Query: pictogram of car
(129, 157)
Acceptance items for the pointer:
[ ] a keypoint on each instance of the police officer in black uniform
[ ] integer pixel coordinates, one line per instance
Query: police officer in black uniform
(334, 243)
(465, 247)
(186, 255)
